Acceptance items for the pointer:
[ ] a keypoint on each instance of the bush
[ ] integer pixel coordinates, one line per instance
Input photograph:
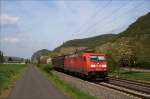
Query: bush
(46, 67)
(112, 64)
(144, 65)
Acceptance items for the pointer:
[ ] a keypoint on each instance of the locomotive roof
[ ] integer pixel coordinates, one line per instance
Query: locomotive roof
(79, 54)
(95, 53)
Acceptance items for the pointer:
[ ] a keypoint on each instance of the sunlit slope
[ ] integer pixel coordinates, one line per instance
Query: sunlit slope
(139, 29)
(133, 43)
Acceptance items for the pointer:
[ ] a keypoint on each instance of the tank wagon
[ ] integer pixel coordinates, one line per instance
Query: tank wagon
(87, 65)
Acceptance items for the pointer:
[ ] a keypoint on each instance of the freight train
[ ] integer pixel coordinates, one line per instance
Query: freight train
(87, 65)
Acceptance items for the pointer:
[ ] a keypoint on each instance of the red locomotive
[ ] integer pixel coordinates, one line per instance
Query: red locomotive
(89, 65)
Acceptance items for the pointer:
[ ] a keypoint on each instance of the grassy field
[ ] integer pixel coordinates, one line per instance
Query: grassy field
(8, 75)
(66, 88)
(132, 75)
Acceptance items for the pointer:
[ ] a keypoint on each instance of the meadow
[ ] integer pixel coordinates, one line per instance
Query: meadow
(8, 76)
(131, 75)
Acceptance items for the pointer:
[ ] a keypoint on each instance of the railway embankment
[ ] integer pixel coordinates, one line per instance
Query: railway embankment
(93, 89)
(66, 87)
(77, 88)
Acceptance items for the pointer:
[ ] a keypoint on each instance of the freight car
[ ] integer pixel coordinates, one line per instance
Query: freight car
(87, 65)
(58, 63)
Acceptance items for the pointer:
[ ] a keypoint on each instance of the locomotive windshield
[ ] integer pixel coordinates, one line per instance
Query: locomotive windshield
(97, 58)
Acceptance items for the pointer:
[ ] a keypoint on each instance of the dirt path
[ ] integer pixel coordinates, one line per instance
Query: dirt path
(33, 85)
(138, 70)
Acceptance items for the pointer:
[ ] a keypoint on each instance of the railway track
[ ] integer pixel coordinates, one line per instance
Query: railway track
(135, 88)
(131, 88)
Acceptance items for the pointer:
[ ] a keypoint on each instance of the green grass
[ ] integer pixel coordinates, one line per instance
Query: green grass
(9, 74)
(141, 76)
(65, 87)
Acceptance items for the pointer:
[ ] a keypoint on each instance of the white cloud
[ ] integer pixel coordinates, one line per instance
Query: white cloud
(8, 20)
(11, 40)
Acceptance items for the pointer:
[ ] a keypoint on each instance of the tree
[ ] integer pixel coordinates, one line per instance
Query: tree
(1, 57)
(27, 61)
(112, 64)
(10, 59)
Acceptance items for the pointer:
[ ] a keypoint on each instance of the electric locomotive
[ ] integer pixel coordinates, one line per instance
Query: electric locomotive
(87, 65)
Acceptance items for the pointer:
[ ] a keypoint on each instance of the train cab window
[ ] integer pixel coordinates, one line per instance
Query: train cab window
(97, 58)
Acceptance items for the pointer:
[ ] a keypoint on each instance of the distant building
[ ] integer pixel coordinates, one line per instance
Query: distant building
(10, 59)
(45, 60)
(49, 60)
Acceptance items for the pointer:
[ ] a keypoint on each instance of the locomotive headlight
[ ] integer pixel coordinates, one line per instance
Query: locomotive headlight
(92, 66)
(104, 65)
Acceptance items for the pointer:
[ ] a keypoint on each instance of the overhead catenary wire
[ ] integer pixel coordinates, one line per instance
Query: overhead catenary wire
(118, 17)
(105, 18)
(93, 16)
(102, 19)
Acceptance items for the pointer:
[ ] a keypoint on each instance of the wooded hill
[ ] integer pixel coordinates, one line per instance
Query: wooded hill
(130, 47)
(88, 42)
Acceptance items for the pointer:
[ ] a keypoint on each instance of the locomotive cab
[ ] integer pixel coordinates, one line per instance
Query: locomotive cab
(95, 65)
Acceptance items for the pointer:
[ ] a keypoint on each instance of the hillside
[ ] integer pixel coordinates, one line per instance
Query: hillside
(138, 29)
(128, 48)
(131, 45)
(88, 42)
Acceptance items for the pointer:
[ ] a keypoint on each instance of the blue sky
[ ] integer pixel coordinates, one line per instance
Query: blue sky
(29, 25)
